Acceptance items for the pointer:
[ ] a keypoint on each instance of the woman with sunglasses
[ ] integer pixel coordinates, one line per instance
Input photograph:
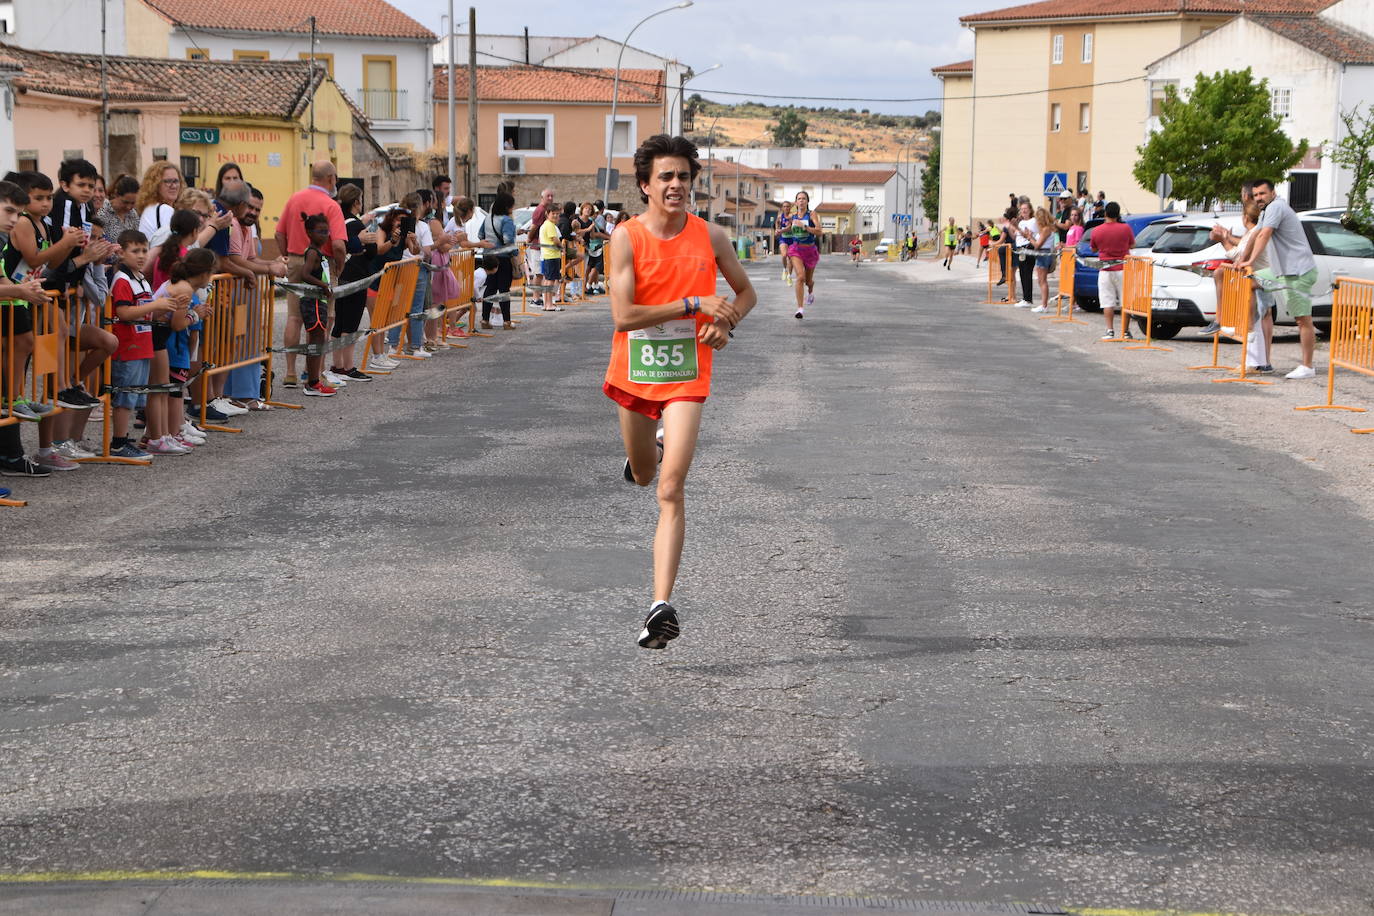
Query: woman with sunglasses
(157, 197)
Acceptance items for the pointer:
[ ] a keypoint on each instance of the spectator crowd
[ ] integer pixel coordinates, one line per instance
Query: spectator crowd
(143, 253)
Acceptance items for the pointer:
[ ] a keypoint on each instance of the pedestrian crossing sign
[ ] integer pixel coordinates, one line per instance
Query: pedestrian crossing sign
(1056, 183)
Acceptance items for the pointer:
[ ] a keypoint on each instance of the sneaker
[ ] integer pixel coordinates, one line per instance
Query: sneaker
(140, 421)
(97, 413)
(420, 353)
(128, 450)
(189, 433)
(25, 409)
(1039, 310)
(385, 363)
(1302, 372)
(1127, 335)
(55, 462)
(1263, 370)
(1110, 335)
(659, 627)
(71, 451)
(187, 443)
(1210, 329)
(319, 390)
(354, 375)
(486, 325)
(214, 416)
(224, 407)
(1023, 304)
(431, 347)
(291, 381)
(5, 492)
(165, 446)
(810, 298)
(334, 379)
(72, 399)
(629, 474)
(800, 314)
(22, 467)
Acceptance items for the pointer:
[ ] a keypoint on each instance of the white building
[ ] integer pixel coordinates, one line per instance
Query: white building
(1317, 67)
(595, 52)
(874, 192)
(378, 56)
(781, 157)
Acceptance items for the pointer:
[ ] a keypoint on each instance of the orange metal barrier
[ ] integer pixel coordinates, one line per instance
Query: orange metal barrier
(463, 264)
(1352, 339)
(395, 291)
(237, 332)
(1137, 285)
(1235, 315)
(998, 262)
(1063, 301)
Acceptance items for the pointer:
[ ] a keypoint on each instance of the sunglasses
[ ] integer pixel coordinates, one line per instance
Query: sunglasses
(172, 181)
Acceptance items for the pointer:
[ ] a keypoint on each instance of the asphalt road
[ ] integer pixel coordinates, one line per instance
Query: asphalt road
(963, 619)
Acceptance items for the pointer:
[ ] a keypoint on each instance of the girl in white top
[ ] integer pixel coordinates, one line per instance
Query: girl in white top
(1024, 243)
(1045, 240)
(157, 197)
(1260, 341)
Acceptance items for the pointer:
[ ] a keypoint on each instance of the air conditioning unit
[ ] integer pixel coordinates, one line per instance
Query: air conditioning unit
(512, 165)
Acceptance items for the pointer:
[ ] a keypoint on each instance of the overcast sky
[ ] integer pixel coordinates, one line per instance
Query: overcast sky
(873, 49)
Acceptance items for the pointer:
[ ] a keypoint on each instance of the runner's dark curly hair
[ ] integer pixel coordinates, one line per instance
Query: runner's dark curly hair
(662, 145)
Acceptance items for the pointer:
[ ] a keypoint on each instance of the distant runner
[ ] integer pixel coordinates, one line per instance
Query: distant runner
(784, 220)
(668, 325)
(803, 248)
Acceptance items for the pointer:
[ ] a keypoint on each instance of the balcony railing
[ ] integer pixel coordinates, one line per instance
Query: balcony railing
(383, 104)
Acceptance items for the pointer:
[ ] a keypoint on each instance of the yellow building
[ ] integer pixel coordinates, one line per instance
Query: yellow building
(1060, 86)
(271, 118)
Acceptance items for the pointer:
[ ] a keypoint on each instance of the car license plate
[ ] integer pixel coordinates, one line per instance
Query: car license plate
(1164, 305)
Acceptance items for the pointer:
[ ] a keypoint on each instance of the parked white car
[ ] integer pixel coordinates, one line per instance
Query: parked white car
(883, 245)
(1183, 298)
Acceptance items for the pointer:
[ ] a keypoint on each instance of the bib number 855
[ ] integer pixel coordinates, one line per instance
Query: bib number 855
(663, 354)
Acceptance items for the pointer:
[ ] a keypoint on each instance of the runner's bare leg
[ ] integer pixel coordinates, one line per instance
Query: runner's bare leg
(681, 423)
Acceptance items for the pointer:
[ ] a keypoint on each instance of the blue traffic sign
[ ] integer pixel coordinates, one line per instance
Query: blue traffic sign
(1056, 183)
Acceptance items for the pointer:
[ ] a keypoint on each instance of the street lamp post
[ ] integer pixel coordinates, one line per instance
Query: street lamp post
(710, 161)
(683, 85)
(615, 92)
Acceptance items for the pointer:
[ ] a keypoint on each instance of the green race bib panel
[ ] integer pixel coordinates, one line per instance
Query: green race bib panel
(665, 354)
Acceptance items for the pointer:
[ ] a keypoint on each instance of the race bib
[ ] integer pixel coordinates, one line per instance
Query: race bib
(665, 354)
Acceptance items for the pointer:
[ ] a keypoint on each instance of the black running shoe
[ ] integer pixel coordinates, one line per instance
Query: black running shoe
(353, 375)
(213, 416)
(22, 467)
(659, 627)
(629, 474)
(73, 399)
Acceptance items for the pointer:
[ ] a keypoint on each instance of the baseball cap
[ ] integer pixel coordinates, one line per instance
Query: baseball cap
(1064, 194)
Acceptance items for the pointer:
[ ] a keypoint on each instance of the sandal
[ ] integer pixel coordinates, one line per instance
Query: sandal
(258, 405)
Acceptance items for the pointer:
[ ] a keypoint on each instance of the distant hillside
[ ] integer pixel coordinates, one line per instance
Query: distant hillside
(870, 137)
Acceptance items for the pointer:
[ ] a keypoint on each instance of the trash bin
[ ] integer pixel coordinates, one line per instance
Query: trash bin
(743, 245)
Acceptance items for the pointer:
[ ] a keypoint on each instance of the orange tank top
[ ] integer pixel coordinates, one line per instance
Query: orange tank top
(666, 361)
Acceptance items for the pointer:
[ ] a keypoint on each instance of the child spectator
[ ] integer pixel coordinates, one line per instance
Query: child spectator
(185, 281)
(16, 320)
(551, 253)
(314, 270)
(134, 307)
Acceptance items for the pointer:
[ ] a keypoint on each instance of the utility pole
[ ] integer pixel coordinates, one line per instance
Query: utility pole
(104, 100)
(452, 117)
(473, 172)
(311, 89)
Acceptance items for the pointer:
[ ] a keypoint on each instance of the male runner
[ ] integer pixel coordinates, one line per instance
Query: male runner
(668, 323)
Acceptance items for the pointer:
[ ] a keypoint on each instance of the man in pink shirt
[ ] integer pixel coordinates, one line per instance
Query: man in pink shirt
(292, 242)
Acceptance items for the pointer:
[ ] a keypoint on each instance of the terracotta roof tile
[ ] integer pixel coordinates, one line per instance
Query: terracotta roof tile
(724, 167)
(1326, 38)
(68, 75)
(250, 88)
(361, 18)
(1100, 9)
(540, 84)
(832, 176)
(835, 206)
(963, 66)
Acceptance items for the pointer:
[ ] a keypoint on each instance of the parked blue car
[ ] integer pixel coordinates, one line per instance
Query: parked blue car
(1085, 278)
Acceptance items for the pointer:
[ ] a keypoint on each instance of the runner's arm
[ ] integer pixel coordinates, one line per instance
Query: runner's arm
(630, 316)
(733, 272)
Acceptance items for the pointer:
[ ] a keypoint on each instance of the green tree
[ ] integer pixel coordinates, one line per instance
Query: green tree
(790, 129)
(1354, 151)
(1222, 134)
(930, 182)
